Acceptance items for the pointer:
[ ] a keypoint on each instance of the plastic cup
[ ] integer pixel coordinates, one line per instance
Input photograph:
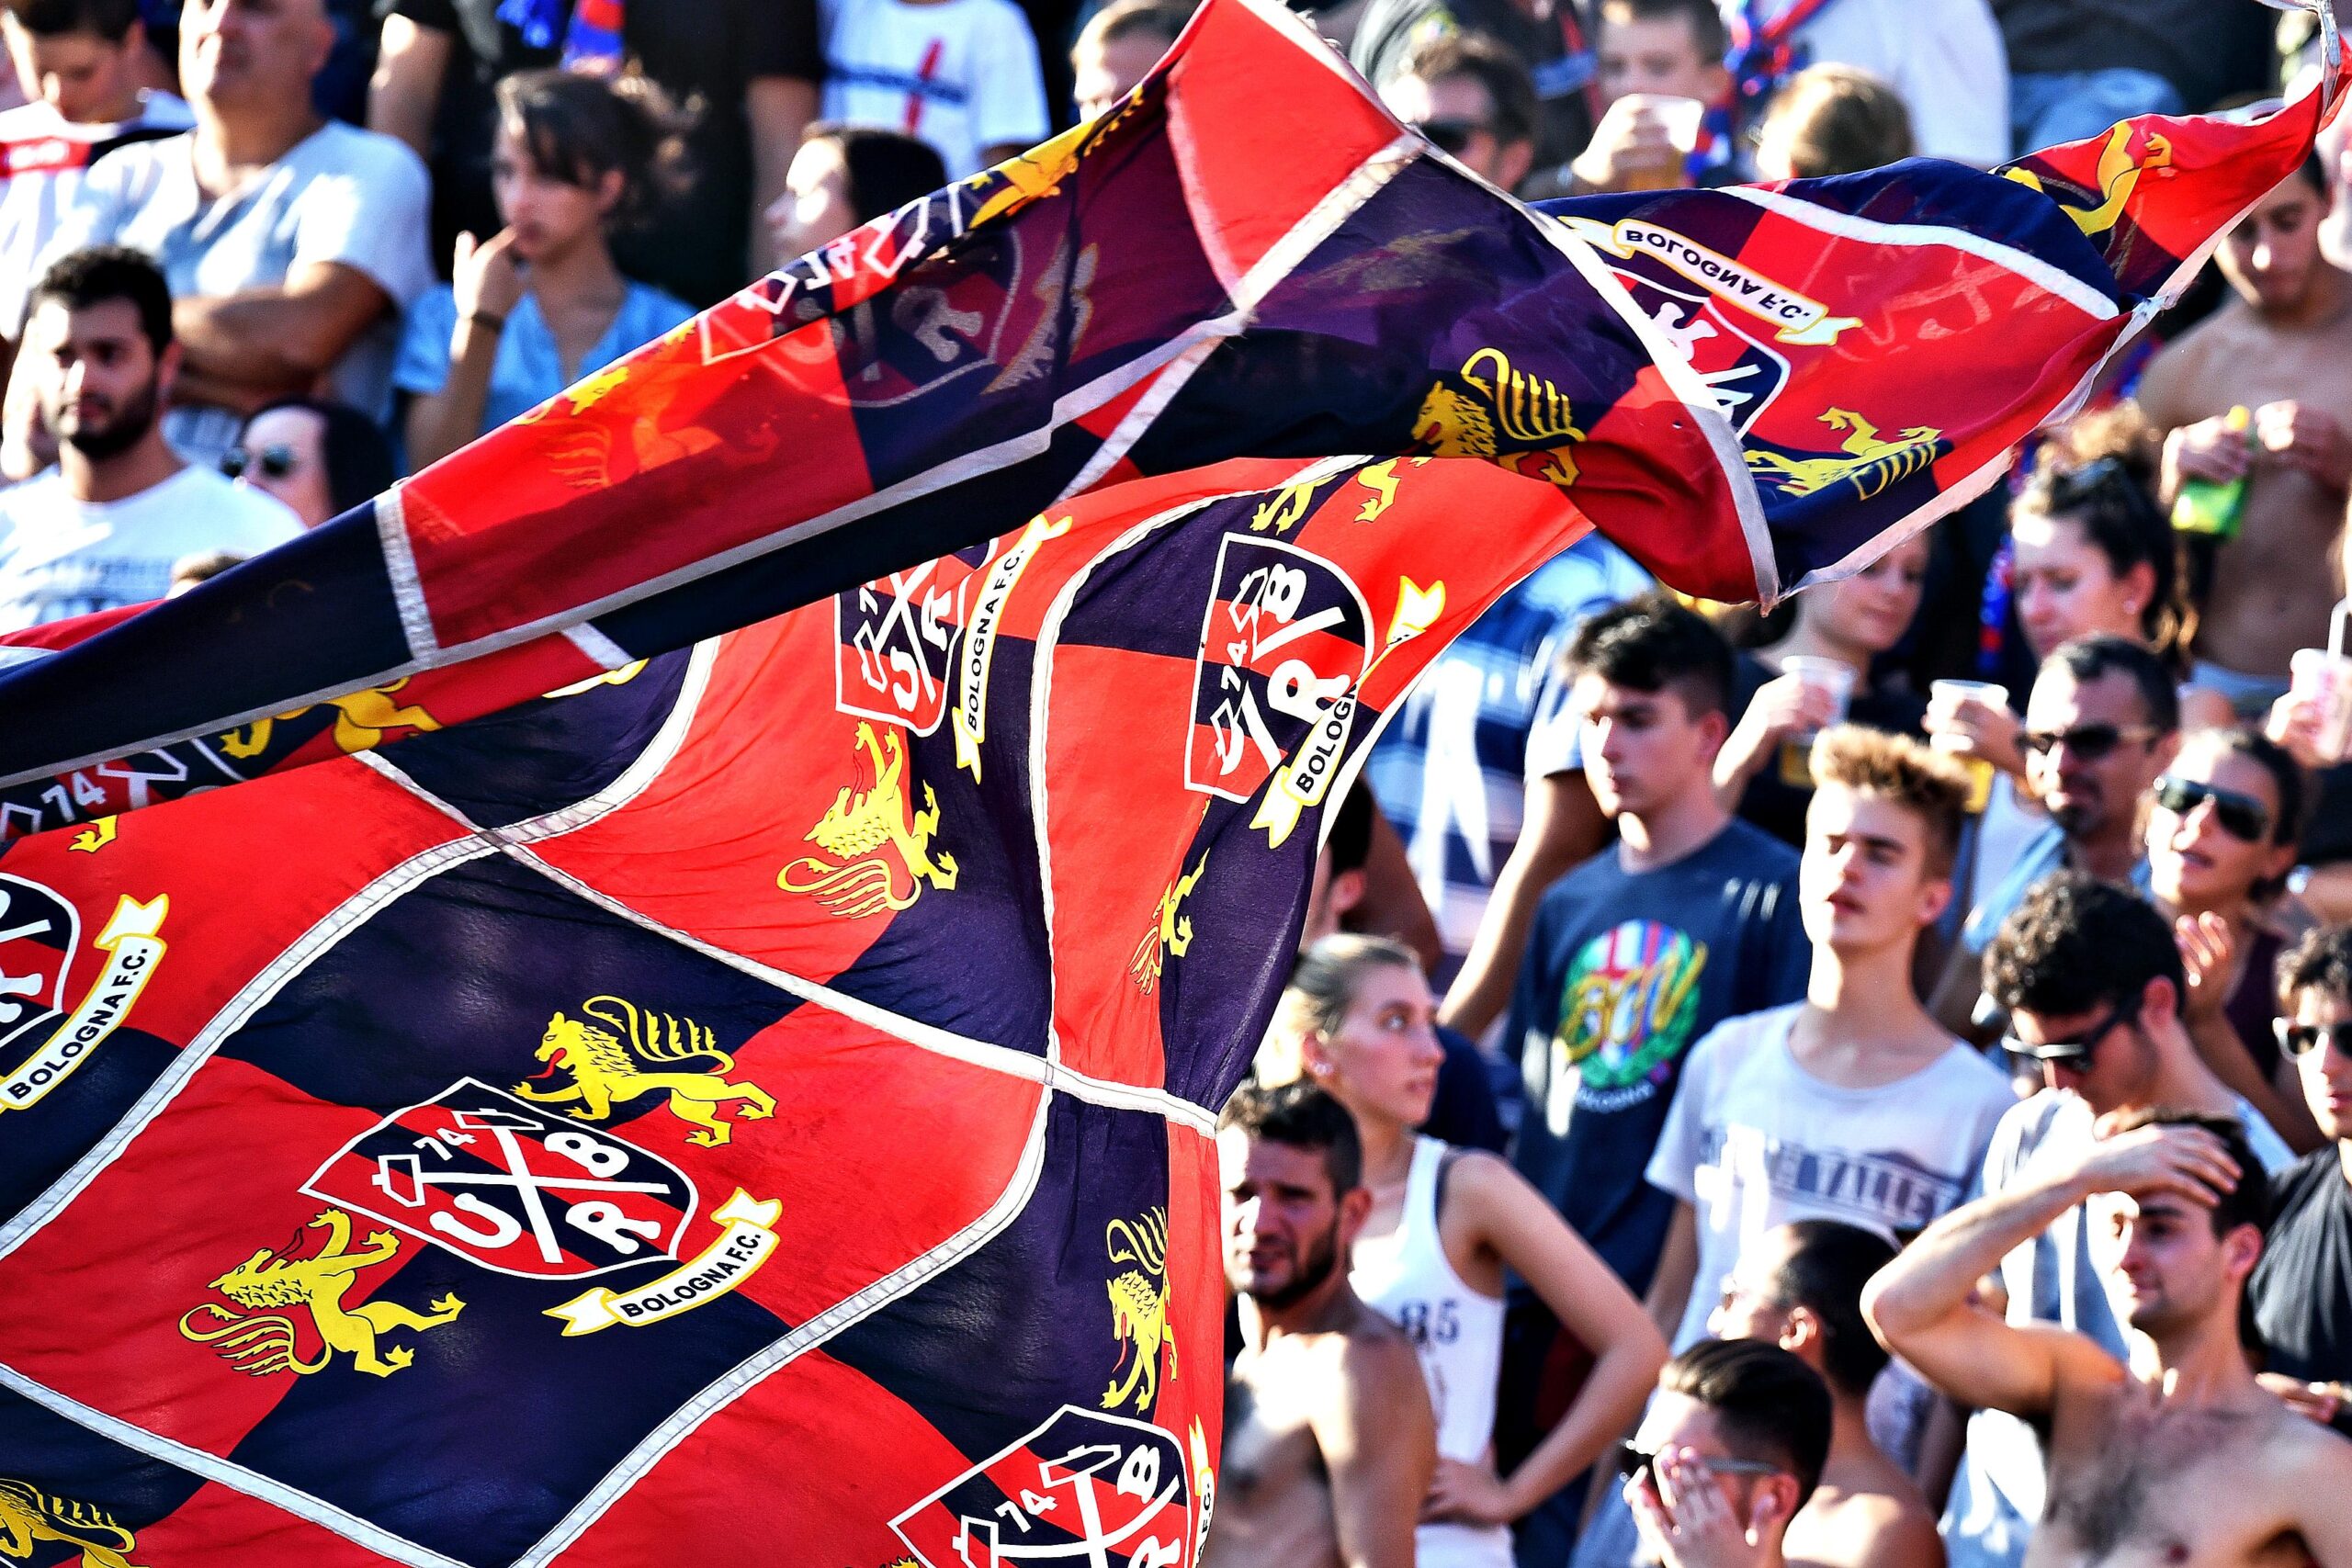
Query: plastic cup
(1980, 772)
(1824, 674)
(2324, 680)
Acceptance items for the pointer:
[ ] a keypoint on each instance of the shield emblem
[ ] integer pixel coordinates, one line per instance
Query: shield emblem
(1742, 373)
(38, 932)
(510, 1186)
(896, 640)
(1287, 636)
(1084, 1487)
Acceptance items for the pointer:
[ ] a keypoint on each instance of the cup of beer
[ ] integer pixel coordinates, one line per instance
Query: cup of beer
(1941, 693)
(2322, 677)
(1683, 119)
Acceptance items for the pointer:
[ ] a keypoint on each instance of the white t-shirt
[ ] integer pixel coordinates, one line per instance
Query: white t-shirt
(1755, 1140)
(1944, 56)
(340, 195)
(60, 557)
(961, 74)
(44, 172)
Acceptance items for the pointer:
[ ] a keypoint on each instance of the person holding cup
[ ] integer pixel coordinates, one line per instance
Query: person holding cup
(1661, 62)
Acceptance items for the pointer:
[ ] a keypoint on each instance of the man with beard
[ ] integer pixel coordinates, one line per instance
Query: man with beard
(102, 528)
(1329, 1440)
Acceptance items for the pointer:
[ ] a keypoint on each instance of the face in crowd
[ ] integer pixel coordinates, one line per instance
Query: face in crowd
(98, 379)
(1385, 1055)
(1287, 1230)
(1654, 54)
(1865, 883)
(253, 55)
(1458, 114)
(2272, 257)
(85, 77)
(1642, 750)
(2064, 586)
(2165, 1266)
(2091, 752)
(2211, 824)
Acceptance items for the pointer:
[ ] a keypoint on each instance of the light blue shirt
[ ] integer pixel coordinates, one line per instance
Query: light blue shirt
(528, 369)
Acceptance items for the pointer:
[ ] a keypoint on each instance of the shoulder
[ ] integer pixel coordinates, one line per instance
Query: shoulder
(1737, 1040)
(1753, 853)
(651, 306)
(2187, 357)
(1972, 1074)
(2310, 1461)
(340, 151)
(28, 121)
(2023, 1129)
(140, 166)
(243, 517)
(162, 108)
(2298, 1183)
(1370, 1355)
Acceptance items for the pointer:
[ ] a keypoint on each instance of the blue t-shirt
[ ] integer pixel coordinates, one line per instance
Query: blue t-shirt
(1625, 972)
(528, 369)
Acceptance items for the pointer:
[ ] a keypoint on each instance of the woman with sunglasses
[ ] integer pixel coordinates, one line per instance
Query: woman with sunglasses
(539, 304)
(2223, 827)
(1444, 1226)
(320, 458)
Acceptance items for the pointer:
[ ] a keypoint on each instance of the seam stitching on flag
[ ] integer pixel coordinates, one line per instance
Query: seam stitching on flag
(228, 1473)
(400, 567)
(780, 1353)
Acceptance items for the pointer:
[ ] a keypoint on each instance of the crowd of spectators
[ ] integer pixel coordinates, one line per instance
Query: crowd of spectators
(1811, 1071)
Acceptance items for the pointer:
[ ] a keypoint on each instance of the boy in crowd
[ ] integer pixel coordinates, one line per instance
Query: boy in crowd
(1652, 52)
(1731, 1449)
(1118, 48)
(2302, 1291)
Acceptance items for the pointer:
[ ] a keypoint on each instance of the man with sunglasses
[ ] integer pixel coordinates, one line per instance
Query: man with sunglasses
(2092, 981)
(2171, 1453)
(1732, 1447)
(2302, 1291)
(1472, 98)
(2102, 722)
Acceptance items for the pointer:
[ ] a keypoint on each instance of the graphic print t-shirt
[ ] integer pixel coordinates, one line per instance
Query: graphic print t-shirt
(961, 74)
(1625, 972)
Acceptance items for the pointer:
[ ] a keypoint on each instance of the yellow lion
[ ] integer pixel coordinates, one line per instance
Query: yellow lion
(361, 721)
(859, 825)
(27, 1516)
(1170, 935)
(1140, 1308)
(606, 1073)
(1872, 464)
(263, 1343)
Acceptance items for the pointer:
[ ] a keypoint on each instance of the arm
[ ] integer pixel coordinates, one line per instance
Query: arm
(780, 108)
(485, 286)
(2317, 1499)
(1677, 1264)
(1562, 828)
(1781, 707)
(2209, 955)
(1379, 1446)
(1392, 904)
(247, 348)
(404, 94)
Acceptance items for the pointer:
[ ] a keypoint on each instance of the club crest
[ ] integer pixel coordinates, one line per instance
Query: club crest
(894, 640)
(1286, 638)
(44, 1036)
(1084, 1487)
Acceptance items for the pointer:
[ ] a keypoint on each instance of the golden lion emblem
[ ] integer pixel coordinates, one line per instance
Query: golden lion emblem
(29, 1516)
(2119, 178)
(1139, 1309)
(361, 721)
(1170, 935)
(261, 1343)
(1871, 465)
(1529, 411)
(605, 1072)
(862, 822)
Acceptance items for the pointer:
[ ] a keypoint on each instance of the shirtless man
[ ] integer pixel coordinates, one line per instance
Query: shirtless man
(2282, 349)
(2182, 1459)
(1329, 1440)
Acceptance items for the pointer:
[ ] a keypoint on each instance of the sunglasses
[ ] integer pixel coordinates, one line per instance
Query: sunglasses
(1634, 1463)
(2091, 742)
(2241, 815)
(2303, 1039)
(274, 461)
(2074, 1055)
(1452, 136)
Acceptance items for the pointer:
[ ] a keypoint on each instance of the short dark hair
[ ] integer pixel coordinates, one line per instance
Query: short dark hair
(2247, 1203)
(1773, 1409)
(1136, 19)
(1301, 1116)
(2112, 498)
(1350, 840)
(2075, 944)
(1509, 86)
(2320, 961)
(358, 453)
(1828, 1264)
(1707, 29)
(887, 170)
(96, 274)
(2090, 657)
(110, 20)
(1652, 641)
(579, 128)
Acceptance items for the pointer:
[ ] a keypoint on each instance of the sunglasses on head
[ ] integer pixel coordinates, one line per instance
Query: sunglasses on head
(1633, 1463)
(2091, 742)
(274, 461)
(2074, 1055)
(2241, 815)
(2303, 1039)
(1452, 136)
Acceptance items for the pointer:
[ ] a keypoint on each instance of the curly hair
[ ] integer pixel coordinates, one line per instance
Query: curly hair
(2320, 961)
(2076, 944)
(1925, 783)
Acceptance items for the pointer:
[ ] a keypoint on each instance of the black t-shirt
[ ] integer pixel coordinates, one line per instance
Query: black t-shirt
(2302, 1289)
(1462, 1111)
(2205, 50)
(1776, 797)
(704, 55)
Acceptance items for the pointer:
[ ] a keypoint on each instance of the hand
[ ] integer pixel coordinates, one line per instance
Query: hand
(1783, 706)
(1971, 727)
(2317, 1401)
(2294, 723)
(2301, 436)
(1633, 148)
(2186, 1162)
(1688, 1525)
(1469, 1494)
(2210, 449)
(484, 276)
(2209, 953)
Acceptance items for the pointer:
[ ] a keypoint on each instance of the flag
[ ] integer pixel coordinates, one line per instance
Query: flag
(1749, 389)
(754, 1104)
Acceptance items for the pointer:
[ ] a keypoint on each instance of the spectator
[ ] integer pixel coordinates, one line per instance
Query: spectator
(1658, 57)
(2103, 721)
(1546, 36)
(1832, 119)
(1943, 60)
(2093, 986)
(2282, 349)
(1118, 47)
(540, 303)
(82, 57)
(1445, 1224)
(961, 74)
(1800, 1286)
(1326, 1394)
(2302, 1289)
(1762, 770)
(748, 68)
(321, 460)
(2223, 827)
(103, 528)
(842, 177)
(291, 243)
(1731, 1449)
(1470, 97)
(2078, 66)
(1691, 918)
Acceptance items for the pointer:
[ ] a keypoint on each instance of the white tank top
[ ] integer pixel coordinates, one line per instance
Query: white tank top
(1458, 1333)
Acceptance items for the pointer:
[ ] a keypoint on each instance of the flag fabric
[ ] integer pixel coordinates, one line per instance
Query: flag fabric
(754, 1105)
(1748, 388)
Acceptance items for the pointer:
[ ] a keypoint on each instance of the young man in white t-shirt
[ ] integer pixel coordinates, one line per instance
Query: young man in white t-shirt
(961, 74)
(102, 529)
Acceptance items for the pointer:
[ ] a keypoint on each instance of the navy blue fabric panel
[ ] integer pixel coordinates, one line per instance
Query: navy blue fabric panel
(1216, 1002)
(41, 1144)
(69, 1464)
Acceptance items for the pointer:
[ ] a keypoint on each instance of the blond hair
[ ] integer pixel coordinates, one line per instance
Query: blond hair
(1322, 987)
(1930, 785)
